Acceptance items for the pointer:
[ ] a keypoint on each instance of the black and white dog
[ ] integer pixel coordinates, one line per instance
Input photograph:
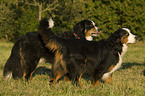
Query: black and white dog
(28, 49)
(97, 59)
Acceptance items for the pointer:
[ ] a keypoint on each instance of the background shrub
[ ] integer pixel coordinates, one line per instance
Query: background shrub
(18, 17)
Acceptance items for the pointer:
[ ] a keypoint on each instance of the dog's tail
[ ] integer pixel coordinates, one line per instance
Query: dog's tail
(44, 28)
(49, 38)
(7, 75)
(7, 72)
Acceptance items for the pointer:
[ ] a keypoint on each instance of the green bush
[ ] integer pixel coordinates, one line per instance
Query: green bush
(21, 18)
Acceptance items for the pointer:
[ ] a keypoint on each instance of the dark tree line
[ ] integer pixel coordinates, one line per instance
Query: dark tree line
(18, 17)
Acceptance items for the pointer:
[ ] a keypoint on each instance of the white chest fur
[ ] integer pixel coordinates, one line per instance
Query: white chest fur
(106, 75)
(124, 50)
(118, 65)
(89, 38)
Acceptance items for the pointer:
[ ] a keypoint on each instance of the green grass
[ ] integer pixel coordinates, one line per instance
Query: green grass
(129, 80)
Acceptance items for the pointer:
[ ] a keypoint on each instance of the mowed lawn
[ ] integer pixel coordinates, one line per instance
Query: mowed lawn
(129, 80)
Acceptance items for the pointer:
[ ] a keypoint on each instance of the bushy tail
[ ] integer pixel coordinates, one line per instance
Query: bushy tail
(49, 38)
(44, 28)
(7, 75)
(7, 72)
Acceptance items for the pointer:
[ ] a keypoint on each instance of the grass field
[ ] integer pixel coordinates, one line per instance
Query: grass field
(129, 80)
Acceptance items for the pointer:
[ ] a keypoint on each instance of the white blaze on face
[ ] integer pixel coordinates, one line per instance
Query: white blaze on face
(93, 22)
(131, 37)
(94, 25)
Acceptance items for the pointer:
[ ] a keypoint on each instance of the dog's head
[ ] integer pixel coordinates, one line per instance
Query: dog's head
(128, 37)
(86, 29)
(124, 36)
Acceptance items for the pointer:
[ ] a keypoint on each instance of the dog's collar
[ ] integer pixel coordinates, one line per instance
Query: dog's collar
(76, 36)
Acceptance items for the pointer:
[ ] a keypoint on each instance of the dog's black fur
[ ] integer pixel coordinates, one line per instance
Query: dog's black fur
(29, 48)
(76, 56)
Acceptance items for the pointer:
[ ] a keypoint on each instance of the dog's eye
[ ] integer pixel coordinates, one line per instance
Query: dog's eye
(91, 25)
(127, 34)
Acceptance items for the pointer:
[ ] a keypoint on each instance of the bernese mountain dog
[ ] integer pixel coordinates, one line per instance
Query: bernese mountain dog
(97, 59)
(28, 49)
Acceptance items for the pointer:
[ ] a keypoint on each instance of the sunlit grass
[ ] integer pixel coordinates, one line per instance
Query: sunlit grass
(129, 80)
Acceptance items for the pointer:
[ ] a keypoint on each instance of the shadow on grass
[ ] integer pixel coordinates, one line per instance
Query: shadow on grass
(48, 71)
(144, 72)
(129, 65)
(43, 71)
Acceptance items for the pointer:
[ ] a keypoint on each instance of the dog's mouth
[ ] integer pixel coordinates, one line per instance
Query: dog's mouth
(96, 33)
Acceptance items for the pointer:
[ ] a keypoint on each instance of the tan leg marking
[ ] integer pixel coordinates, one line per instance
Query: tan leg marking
(96, 82)
(109, 79)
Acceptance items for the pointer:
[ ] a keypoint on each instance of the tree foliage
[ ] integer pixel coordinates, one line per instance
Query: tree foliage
(18, 17)
(6, 21)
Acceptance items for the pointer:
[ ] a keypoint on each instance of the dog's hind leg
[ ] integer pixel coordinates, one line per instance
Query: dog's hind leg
(77, 79)
(67, 77)
(57, 75)
(24, 74)
(82, 73)
(96, 82)
(80, 79)
(96, 79)
(30, 71)
(59, 68)
(29, 76)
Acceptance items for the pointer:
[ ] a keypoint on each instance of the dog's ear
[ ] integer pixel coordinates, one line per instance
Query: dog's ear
(79, 29)
(115, 37)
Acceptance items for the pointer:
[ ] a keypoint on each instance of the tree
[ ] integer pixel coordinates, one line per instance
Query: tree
(6, 21)
(69, 12)
(134, 16)
(120, 13)
(43, 5)
(18, 17)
